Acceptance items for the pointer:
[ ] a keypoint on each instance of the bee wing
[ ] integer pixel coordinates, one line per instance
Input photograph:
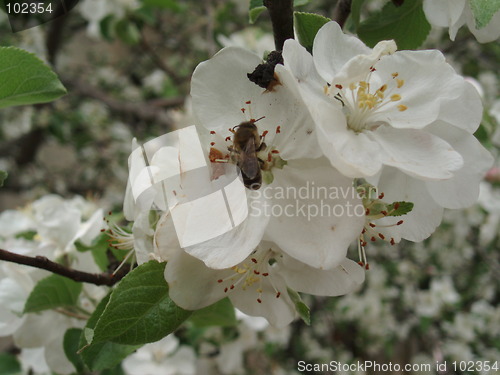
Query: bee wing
(249, 163)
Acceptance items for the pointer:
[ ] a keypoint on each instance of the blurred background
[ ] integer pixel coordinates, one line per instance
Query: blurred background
(127, 64)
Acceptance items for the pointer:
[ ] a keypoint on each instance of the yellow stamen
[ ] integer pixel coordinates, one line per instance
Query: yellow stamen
(402, 107)
(400, 82)
(395, 97)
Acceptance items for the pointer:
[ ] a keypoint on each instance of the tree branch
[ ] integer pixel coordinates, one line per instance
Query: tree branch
(46, 264)
(342, 11)
(281, 12)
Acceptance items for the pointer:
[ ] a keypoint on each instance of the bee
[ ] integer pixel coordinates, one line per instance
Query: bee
(246, 144)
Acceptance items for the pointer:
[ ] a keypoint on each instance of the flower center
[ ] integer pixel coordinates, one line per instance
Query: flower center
(360, 102)
(251, 274)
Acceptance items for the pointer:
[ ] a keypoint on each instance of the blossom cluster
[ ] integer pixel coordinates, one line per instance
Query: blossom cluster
(392, 131)
(50, 227)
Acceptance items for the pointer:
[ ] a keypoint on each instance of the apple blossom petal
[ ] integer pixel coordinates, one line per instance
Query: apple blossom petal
(417, 153)
(443, 13)
(334, 282)
(234, 246)
(56, 358)
(165, 242)
(462, 190)
(40, 329)
(489, 33)
(278, 311)
(353, 154)
(89, 230)
(355, 69)
(12, 300)
(192, 285)
(332, 49)
(300, 64)
(425, 75)
(466, 112)
(224, 97)
(453, 30)
(220, 87)
(318, 201)
(296, 138)
(426, 215)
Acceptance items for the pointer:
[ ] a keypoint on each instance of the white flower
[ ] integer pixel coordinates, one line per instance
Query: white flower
(60, 222)
(455, 13)
(371, 106)
(258, 285)
(224, 97)
(403, 119)
(14, 222)
(33, 360)
(163, 357)
(251, 38)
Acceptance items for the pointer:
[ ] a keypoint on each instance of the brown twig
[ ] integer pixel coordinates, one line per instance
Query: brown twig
(342, 11)
(59, 269)
(281, 12)
(55, 32)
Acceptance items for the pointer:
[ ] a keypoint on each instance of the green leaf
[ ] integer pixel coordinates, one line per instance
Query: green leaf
(103, 355)
(356, 11)
(399, 208)
(107, 27)
(220, 313)
(71, 346)
(114, 371)
(301, 308)
(3, 177)
(406, 24)
(483, 11)
(99, 250)
(307, 26)
(9, 365)
(52, 292)
(27, 235)
(140, 310)
(255, 9)
(26, 79)
(128, 32)
(166, 4)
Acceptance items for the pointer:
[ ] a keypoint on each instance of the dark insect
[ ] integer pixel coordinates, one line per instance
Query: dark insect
(246, 145)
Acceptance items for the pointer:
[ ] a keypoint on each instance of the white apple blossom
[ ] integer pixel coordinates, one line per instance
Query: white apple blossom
(164, 357)
(57, 224)
(402, 119)
(251, 38)
(456, 13)
(224, 97)
(258, 285)
(61, 222)
(94, 11)
(33, 361)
